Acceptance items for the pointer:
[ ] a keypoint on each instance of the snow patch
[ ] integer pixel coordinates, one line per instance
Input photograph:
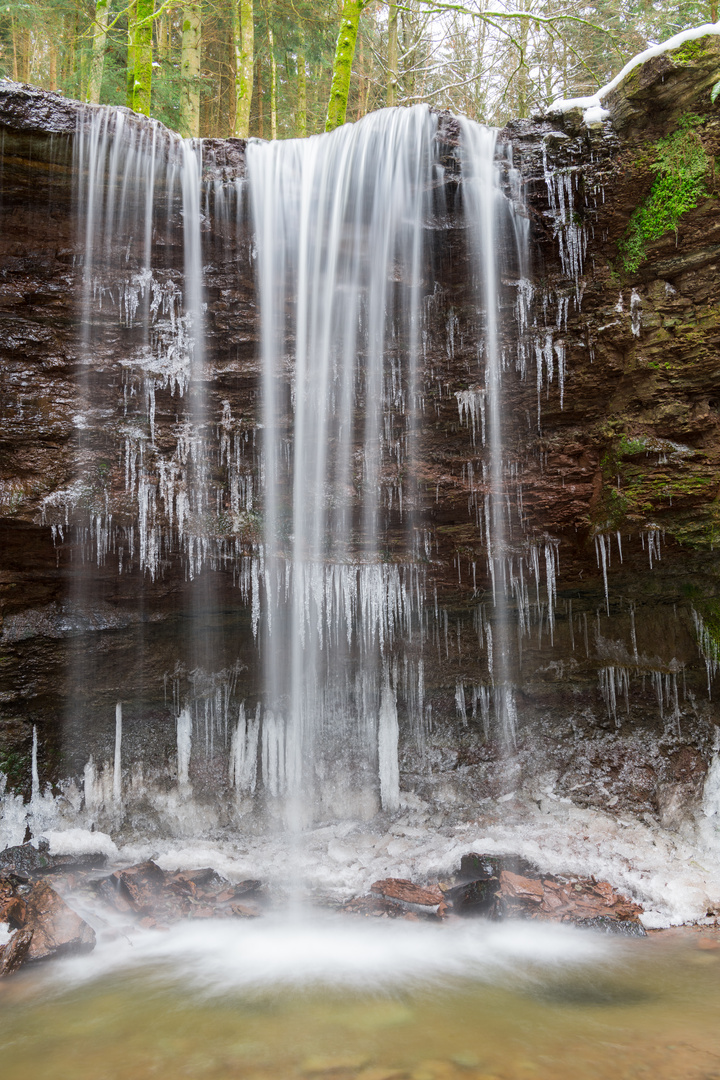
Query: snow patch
(80, 842)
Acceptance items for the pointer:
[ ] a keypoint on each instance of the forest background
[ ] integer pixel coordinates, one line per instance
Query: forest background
(285, 68)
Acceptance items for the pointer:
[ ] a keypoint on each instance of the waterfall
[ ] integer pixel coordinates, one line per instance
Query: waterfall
(340, 229)
(488, 212)
(339, 226)
(335, 593)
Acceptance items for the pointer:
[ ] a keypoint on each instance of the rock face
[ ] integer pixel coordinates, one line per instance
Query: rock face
(612, 423)
(29, 861)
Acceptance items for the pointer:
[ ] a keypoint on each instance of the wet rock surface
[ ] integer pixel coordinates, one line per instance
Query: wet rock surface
(410, 897)
(506, 887)
(160, 898)
(44, 926)
(27, 861)
(492, 887)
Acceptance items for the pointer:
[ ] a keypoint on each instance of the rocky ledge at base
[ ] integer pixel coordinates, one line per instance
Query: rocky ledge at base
(502, 887)
(40, 924)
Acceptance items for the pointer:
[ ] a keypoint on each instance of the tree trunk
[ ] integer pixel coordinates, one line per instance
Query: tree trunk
(261, 120)
(162, 38)
(142, 35)
(244, 45)
(190, 69)
(99, 44)
(273, 84)
(14, 32)
(392, 69)
(342, 64)
(53, 67)
(523, 74)
(21, 52)
(130, 70)
(301, 113)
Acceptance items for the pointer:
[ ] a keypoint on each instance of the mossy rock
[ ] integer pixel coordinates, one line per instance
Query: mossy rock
(681, 165)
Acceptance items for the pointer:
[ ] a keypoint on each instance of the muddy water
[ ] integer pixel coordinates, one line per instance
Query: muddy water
(342, 1000)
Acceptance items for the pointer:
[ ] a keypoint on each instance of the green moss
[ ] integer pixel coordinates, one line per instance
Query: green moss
(710, 612)
(628, 447)
(15, 766)
(690, 52)
(680, 163)
(646, 478)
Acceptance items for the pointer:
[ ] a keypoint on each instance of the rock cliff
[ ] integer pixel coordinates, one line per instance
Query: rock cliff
(612, 424)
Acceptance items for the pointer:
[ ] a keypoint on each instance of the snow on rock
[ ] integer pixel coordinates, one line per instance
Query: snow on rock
(593, 111)
(80, 842)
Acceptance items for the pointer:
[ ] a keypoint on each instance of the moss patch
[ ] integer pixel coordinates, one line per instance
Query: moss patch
(690, 52)
(650, 479)
(680, 163)
(16, 767)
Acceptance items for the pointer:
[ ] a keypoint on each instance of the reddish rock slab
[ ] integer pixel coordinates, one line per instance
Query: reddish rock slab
(423, 900)
(57, 930)
(523, 892)
(159, 897)
(581, 901)
(14, 952)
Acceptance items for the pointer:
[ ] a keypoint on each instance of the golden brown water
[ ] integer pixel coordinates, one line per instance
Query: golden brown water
(650, 1009)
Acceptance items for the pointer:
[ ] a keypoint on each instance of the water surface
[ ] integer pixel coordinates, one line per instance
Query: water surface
(372, 999)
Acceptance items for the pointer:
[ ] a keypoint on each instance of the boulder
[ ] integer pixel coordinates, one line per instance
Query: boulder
(30, 860)
(49, 927)
(501, 891)
(422, 900)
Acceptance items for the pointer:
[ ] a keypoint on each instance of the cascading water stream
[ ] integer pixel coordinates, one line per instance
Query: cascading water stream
(344, 247)
(339, 225)
(487, 210)
(131, 181)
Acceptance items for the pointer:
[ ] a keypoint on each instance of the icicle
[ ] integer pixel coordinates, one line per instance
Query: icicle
(117, 765)
(35, 783)
(184, 746)
(388, 766)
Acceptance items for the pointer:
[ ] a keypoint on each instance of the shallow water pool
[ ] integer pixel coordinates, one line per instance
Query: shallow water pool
(352, 998)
